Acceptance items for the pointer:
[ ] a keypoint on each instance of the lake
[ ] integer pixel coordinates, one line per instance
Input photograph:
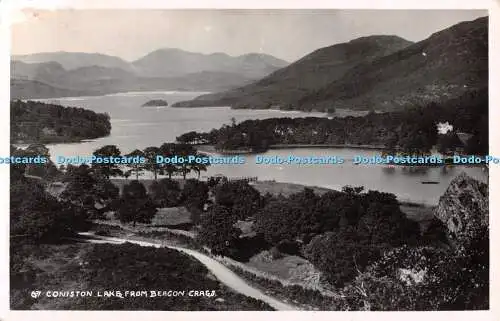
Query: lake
(136, 127)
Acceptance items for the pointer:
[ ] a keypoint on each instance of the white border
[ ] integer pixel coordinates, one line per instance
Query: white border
(7, 8)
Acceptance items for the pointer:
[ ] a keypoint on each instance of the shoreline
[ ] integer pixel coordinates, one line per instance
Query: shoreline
(211, 148)
(272, 187)
(207, 148)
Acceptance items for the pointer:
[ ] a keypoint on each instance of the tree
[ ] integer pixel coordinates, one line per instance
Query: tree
(40, 217)
(135, 204)
(199, 167)
(168, 150)
(86, 189)
(341, 254)
(184, 151)
(151, 165)
(136, 167)
(217, 230)
(448, 143)
(47, 171)
(279, 220)
(106, 194)
(478, 144)
(108, 169)
(194, 196)
(165, 192)
(80, 183)
(16, 170)
(243, 199)
(194, 193)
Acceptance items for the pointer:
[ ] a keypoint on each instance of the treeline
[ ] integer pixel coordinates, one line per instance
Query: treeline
(91, 190)
(149, 154)
(362, 225)
(34, 121)
(411, 131)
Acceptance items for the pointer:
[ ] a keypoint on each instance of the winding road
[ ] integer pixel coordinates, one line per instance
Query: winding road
(221, 272)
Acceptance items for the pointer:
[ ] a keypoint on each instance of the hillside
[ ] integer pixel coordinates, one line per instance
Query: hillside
(175, 62)
(445, 65)
(372, 73)
(201, 81)
(285, 86)
(74, 60)
(33, 121)
(31, 89)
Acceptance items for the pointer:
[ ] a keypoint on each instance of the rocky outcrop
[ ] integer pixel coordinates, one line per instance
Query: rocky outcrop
(464, 210)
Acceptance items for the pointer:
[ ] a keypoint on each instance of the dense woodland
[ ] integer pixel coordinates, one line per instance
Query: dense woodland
(38, 122)
(413, 131)
(358, 240)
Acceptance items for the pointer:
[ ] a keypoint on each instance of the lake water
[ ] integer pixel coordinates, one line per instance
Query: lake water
(134, 127)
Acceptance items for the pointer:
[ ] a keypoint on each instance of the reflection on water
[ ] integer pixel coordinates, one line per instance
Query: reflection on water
(135, 127)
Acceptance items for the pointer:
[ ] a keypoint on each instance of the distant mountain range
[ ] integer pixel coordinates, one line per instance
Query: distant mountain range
(43, 74)
(376, 72)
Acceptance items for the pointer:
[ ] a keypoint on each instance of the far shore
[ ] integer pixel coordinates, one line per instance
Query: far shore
(211, 148)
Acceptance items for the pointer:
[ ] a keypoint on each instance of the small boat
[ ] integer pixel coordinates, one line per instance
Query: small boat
(429, 182)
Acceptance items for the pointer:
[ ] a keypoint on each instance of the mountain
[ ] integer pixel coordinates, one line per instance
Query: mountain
(35, 71)
(319, 68)
(163, 63)
(443, 66)
(166, 69)
(48, 80)
(74, 60)
(201, 81)
(30, 89)
(175, 62)
(378, 72)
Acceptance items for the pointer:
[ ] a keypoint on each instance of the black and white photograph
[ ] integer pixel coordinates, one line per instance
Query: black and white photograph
(249, 160)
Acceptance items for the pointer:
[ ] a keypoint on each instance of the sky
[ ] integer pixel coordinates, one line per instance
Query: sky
(286, 34)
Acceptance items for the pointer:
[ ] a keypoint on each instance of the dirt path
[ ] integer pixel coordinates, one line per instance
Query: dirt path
(222, 273)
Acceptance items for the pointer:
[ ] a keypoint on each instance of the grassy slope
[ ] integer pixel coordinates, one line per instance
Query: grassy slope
(445, 65)
(313, 71)
(352, 75)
